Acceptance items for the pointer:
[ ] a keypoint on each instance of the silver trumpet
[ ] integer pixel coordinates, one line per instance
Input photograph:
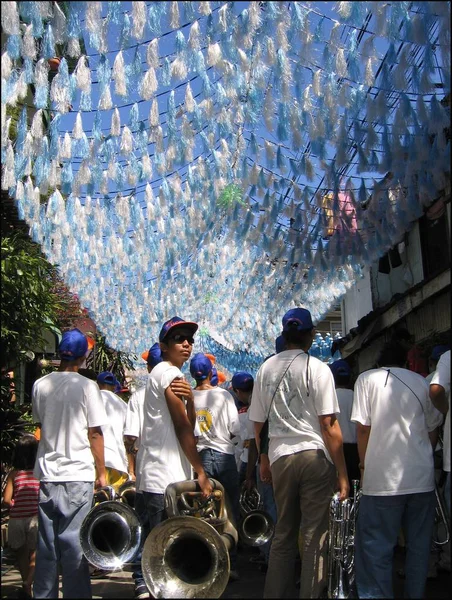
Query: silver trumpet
(110, 534)
(341, 545)
(187, 556)
(256, 526)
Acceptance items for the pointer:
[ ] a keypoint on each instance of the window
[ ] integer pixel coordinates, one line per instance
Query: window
(435, 242)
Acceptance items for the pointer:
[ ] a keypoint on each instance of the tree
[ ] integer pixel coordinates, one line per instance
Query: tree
(28, 307)
(28, 303)
(103, 358)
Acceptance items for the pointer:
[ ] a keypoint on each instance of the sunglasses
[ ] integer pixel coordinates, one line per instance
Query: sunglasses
(181, 337)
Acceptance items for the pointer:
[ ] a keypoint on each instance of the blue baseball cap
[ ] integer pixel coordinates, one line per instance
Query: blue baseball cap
(107, 377)
(176, 322)
(297, 318)
(242, 381)
(200, 366)
(340, 368)
(73, 345)
(214, 378)
(438, 351)
(280, 344)
(153, 356)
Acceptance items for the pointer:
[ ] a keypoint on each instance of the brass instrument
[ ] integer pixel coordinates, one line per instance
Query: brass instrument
(126, 493)
(441, 521)
(256, 526)
(341, 545)
(187, 556)
(110, 534)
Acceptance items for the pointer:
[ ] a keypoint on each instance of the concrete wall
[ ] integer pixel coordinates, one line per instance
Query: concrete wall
(356, 303)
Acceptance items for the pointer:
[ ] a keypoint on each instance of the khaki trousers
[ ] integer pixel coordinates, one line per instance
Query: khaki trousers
(303, 485)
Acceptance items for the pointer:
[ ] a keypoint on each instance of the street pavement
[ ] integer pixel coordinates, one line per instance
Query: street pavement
(250, 585)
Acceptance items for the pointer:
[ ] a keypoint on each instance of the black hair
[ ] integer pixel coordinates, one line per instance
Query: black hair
(293, 336)
(24, 455)
(342, 379)
(393, 354)
(88, 373)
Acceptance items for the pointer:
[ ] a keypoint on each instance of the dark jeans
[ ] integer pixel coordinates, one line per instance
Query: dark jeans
(223, 468)
(380, 519)
(140, 509)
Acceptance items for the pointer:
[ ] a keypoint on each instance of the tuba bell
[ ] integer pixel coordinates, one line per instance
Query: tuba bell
(187, 556)
(127, 492)
(341, 545)
(110, 534)
(256, 525)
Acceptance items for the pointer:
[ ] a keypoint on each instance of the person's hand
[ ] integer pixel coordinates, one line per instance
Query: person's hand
(264, 470)
(100, 482)
(204, 484)
(132, 477)
(182, 389)
(344, 487)
(250, 483)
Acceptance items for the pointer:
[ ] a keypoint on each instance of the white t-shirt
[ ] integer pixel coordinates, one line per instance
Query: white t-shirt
(134, 415)
(217, 418)
(345, 399)
(442, 377)
(66, 404)
(246, 433)
(161, 458)
(293, 412)
(399, 455)
(134, 425)
(115, 451)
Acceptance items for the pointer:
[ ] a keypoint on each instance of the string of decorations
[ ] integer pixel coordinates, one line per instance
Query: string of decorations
(219, 162)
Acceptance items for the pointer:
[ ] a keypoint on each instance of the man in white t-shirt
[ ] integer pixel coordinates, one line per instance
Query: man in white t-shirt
(168, 445)
(342, 375)
(392, 409)
(69, 409)
(295, 392)
(242, 387)
(116, 462)
(218, 421)
(132, 440)
(440, 396)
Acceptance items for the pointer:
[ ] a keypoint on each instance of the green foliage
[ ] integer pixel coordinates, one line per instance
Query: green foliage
(28, 303)
(231, 194)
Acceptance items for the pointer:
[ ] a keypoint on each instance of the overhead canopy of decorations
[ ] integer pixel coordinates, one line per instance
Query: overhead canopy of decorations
(222, 161)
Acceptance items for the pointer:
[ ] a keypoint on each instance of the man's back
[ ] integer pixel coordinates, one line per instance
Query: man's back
(115, 452)
(292, 392)
(394, 402)
(66, 404)
(217, 418)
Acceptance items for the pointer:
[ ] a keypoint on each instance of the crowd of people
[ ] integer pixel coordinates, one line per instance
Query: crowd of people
(298, 432)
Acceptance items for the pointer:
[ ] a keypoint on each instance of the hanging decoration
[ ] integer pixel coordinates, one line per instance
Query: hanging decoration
(221, 161)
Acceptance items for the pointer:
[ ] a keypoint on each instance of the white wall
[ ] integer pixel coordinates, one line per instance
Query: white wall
(356, 303)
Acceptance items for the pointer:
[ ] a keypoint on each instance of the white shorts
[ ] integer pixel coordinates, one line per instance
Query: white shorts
(23, 531)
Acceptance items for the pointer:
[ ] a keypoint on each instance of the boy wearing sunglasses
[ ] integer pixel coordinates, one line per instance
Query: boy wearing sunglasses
(168, 445)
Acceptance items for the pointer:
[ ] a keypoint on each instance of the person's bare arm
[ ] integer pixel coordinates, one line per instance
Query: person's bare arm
(433, 437)
(362, 438)
(184, 433)
(250, 476)
(438, 398)
(332, 436)
(9, 490)
(129, 444)
(184, 391)
(96, 442)
(257, 434)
